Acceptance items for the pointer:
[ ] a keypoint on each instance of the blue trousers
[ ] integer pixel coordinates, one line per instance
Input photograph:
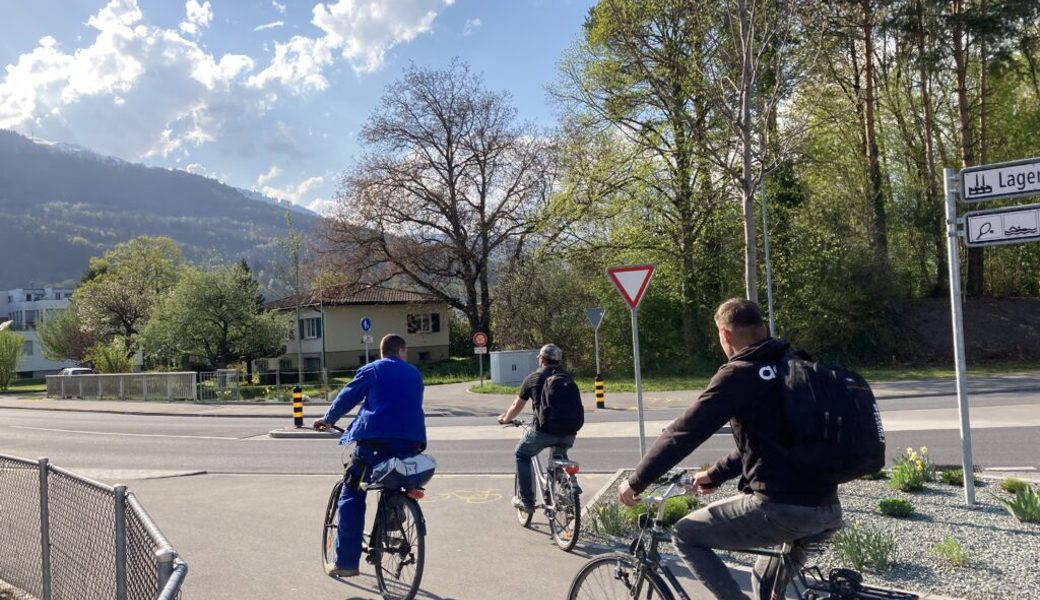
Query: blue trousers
(531, 444)
(352, 499)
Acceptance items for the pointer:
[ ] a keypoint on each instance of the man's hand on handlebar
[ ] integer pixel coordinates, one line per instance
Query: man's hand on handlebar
(502, 420)
(702, 484)
(321, 425)
(626, 495)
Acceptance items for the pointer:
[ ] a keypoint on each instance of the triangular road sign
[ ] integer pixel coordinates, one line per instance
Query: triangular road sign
(632, 281)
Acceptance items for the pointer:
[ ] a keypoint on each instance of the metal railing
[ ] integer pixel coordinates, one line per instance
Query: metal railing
(63, 536)
(125, 386)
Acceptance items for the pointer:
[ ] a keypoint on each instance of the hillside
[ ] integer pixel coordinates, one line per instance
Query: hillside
(60, 205)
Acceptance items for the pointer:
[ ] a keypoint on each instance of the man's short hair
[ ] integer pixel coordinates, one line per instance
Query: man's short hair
(738, 313)
(391, 344)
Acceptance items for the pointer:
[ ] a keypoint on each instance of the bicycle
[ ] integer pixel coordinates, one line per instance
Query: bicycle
(396, 546)
(639, 572)
(557, 487)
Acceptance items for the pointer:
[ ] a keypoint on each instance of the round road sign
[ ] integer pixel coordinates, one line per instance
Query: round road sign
(480, 339)
(366, 324)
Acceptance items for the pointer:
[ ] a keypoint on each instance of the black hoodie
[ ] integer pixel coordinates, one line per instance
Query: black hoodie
(745, 392)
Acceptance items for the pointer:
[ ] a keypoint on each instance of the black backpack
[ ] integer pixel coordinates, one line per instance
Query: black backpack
(834, 426)
(559, 410)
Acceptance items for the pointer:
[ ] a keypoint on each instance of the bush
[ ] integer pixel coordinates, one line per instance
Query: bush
(951, 551)
(896, 507)
(1012, 485)
(952, 477)
(1025, 506)
(860, 547)
(609, 518)
(675, 508)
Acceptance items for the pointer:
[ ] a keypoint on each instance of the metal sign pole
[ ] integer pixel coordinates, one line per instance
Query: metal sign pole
(480, 361)
(951, 177)
(595, 339)
(639, 382)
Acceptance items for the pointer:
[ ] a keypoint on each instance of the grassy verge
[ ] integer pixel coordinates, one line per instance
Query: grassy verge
(26, 386)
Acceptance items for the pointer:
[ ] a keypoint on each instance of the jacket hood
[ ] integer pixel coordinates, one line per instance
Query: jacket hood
(767, 350)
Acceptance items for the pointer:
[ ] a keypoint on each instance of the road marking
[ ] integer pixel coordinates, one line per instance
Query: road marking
(158, 435)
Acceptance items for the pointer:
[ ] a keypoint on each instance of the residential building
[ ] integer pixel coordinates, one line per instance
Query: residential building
(330, 324)
(25, 308)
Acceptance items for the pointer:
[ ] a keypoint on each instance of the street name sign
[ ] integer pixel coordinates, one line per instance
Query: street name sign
(1000, 180)
(631, 282)
(1010, 225)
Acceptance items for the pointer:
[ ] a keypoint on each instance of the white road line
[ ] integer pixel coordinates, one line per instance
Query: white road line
(158, 435)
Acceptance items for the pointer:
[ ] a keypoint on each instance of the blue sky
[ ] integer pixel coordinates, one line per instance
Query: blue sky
(260, 94)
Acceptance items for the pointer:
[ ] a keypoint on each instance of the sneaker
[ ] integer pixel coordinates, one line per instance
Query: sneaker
(521, 505)
(343, 573)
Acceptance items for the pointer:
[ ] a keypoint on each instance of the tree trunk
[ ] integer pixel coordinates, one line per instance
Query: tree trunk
(960, 59)
(875, 193)
(933, 202)
(747, 188)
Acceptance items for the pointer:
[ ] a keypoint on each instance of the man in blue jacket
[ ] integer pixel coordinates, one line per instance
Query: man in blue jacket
(389, 424)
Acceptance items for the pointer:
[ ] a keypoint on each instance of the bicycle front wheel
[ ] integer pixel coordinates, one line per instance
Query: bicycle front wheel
(566, 514)
(614, 577)
(399, 544)
(331, 527)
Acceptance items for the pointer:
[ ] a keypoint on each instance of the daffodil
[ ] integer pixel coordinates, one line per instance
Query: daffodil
(924, 449)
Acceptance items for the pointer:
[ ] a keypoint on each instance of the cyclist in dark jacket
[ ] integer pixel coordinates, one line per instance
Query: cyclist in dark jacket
(776, 504)
(390, 424)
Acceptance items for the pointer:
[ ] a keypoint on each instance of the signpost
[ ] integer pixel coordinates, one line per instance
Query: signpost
(631, 283)
(366, 325)
(1008, 225)
(480, 340)
(595, 316)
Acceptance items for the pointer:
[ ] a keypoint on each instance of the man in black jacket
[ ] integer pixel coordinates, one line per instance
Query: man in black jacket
(777, 504)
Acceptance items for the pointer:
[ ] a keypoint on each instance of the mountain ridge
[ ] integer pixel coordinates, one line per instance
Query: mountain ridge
(62, 204)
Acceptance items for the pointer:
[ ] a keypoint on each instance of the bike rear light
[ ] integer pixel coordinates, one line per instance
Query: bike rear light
(416, 494)
(572, 469)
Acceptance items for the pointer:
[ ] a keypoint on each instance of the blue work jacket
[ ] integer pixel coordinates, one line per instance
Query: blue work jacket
(392, 391)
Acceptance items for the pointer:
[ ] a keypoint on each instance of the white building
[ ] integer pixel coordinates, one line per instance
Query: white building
(25, 308)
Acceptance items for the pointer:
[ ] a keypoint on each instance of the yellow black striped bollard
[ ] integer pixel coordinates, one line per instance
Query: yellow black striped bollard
(601, 401)
(297, 406)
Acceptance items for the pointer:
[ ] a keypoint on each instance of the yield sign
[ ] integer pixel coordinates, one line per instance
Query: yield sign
(632, 282)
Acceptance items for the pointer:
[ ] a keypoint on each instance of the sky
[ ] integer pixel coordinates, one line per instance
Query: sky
(265, 95)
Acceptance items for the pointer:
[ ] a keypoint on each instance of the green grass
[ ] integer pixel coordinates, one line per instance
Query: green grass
(900, 373)
(26, 386)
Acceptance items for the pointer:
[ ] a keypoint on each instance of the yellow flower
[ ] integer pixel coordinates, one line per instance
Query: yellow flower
(913, 456)
(909, 450)
(920, 466)
(924, 449)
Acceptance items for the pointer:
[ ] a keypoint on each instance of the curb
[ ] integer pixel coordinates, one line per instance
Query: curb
(303, 433)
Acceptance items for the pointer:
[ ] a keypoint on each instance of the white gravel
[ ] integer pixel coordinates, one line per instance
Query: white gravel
(1003, 554)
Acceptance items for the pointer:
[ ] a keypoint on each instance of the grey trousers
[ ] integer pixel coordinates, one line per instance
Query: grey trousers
(743, 522)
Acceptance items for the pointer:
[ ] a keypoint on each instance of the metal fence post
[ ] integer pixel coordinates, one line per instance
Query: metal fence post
(45, 531)
(164, 559)
(120, 493)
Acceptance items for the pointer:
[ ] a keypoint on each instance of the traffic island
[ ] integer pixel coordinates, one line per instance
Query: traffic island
(302, 433)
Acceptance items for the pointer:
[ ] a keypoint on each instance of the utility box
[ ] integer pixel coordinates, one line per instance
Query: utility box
(510, 367)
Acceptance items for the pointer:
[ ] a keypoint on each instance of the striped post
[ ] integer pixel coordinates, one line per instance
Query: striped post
(601, 401)
(297, 406)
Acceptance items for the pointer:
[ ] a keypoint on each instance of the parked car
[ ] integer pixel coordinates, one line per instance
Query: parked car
(76, 371)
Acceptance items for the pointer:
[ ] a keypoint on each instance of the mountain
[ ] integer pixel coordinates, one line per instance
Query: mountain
(61, 204)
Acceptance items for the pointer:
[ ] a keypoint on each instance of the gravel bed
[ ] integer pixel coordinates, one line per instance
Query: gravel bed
(1003, 554)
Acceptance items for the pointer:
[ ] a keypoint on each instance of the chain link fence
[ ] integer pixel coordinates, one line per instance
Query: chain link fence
(65, 537)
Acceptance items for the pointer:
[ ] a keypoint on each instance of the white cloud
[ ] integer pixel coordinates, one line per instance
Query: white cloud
(322, 206)
(271, 25)
(471, 26)
(291, 192)
(198, 17)
(363, 30)
(279, 7)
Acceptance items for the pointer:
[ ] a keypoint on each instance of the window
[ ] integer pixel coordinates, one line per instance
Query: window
(27, 348)
(310, 329)
(285, 364)
(424, 323)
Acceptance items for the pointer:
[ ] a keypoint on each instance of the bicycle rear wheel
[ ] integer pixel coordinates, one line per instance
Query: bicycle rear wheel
(566, 515)
(331, 527)
(399, 546)
(614, 577)
(522, 516)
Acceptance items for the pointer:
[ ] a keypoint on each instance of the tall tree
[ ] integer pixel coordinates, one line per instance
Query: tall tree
(212, 317)
(63, 336)
(125, 284)
(449, 181)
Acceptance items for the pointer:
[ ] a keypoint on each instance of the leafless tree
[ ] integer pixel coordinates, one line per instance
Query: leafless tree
(450, 184)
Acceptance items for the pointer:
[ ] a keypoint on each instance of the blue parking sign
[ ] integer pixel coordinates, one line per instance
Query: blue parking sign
(366, 324)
